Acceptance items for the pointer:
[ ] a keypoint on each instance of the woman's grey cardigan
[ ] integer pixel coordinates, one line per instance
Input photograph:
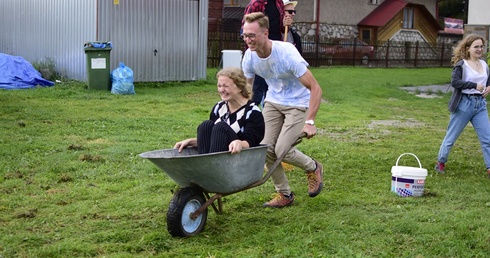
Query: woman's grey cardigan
(459, 85)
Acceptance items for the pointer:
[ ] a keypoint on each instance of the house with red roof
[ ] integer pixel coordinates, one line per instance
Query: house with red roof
(368, 20)
(399, 20)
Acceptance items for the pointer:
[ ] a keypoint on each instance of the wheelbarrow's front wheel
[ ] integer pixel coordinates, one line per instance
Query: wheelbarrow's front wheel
(184, 203)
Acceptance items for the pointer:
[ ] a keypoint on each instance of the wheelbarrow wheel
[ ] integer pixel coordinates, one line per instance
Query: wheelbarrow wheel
(184, 203)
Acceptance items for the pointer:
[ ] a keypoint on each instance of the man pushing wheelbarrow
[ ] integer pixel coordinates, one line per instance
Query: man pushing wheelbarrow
(291, 104)
(233, 161)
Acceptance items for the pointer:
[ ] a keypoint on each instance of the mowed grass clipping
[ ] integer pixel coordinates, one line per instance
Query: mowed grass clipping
(72, 183)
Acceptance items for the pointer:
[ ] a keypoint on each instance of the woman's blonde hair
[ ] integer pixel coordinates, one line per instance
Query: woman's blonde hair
(238, 78)
(461, 52)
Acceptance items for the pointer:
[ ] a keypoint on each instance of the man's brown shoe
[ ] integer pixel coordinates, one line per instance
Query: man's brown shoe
(280, 200)
(315, 180)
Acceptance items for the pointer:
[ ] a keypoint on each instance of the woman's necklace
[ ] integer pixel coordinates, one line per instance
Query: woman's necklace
(476, 62)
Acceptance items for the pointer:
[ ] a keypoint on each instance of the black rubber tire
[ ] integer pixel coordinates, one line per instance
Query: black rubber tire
(185, 202)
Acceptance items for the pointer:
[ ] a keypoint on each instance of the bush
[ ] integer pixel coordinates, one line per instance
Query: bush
(47, 68)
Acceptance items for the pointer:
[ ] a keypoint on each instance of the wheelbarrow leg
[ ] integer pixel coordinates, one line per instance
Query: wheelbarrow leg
(219, 209)
(206, 205)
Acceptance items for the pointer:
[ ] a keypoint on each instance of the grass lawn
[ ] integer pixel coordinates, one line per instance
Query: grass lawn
(72, 183)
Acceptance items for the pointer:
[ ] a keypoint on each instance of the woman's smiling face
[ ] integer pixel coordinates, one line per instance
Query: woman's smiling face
(476, 49)
(228, 89)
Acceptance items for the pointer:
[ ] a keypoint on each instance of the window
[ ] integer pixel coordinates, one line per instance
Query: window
(231, 3)
(375, 2)
(366, 35)
(408, 18)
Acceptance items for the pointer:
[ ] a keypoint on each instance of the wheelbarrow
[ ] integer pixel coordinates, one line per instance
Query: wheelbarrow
(198, 175)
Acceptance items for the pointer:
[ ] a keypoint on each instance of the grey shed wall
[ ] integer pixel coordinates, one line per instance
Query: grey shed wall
(161, 40)
(55, 29)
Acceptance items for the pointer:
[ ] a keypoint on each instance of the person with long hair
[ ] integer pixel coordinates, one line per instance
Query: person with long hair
(470, 80)
(235, 122)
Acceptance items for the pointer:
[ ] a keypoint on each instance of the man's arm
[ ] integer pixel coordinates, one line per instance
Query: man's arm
(315, 99)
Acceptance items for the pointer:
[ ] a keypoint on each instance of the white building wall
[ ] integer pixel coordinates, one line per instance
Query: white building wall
(478, 12)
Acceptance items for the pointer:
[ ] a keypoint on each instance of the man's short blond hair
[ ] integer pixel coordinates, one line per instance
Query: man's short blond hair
(261, 18)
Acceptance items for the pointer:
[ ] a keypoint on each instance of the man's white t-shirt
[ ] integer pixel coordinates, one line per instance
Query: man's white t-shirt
(281, 71)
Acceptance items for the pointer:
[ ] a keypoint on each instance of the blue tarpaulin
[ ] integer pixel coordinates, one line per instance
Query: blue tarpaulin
(17, 73)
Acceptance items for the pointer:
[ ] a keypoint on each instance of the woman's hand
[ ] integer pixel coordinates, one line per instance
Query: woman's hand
(288, 20)
(486, 91)
(236, 146)
(185, 143)
(480, 87)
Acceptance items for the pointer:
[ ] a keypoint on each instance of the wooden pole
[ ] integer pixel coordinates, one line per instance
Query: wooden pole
(285, 33)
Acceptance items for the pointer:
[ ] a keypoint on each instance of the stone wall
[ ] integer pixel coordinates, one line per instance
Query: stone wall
(307, 32)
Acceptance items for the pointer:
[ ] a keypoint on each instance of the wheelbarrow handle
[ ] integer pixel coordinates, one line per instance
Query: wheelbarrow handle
(300, 139)
(280, 158)
(276, 163)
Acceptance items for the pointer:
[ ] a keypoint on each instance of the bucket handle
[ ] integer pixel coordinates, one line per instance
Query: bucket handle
(420, 165)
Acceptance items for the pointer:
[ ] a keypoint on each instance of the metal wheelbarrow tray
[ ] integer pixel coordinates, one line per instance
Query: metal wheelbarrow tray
(219, 172)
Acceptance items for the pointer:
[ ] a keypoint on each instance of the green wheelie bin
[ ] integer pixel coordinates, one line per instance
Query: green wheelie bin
(98, 65)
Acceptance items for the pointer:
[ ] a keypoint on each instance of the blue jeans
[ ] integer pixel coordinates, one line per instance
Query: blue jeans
(470, 109)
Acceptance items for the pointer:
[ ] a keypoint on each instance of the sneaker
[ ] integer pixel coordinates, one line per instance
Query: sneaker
(440, 167)
(280, 200)
(315, 180)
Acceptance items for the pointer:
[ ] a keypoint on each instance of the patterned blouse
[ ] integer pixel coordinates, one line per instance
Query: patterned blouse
(247, 121)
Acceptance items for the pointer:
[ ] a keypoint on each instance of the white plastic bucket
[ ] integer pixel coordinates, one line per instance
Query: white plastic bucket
(232, 58)
(408, 181)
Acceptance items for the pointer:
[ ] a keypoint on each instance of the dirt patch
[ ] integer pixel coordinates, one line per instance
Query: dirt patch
(394, 123)
(429, 91)
(372, 132)
(428, 96)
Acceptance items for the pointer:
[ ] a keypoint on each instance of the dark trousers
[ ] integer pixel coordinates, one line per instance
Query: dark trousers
(213, 137)
(259, 90)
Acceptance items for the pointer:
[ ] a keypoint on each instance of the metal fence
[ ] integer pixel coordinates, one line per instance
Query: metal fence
(218, 41)
(348, 52)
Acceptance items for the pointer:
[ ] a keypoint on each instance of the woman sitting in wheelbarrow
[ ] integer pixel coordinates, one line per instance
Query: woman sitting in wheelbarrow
(235, 123)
